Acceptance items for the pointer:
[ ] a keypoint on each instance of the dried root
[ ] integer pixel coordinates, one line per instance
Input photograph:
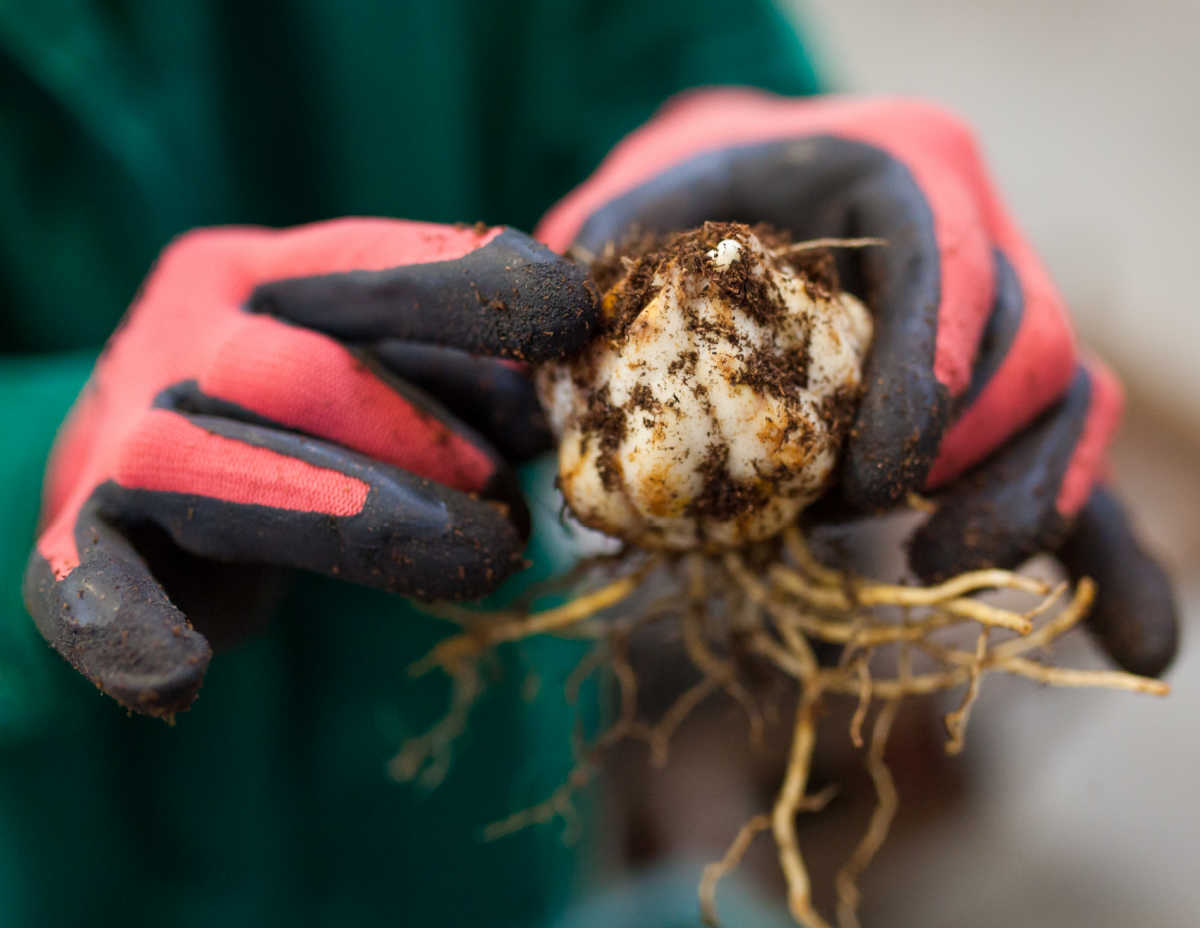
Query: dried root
(727, 864)
(887, 801)
(731, 604)
(426, 758)
(789, 803)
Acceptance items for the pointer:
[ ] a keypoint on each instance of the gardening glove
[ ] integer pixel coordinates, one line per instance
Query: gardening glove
(257, 406)
(973, 387)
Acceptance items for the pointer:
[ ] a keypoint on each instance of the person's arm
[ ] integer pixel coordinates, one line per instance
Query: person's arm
(565, 81)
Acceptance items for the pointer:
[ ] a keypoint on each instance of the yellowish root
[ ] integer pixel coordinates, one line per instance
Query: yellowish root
(427, 758)
(722, 606)
(787, 805)
(886, 803)
(727, 864)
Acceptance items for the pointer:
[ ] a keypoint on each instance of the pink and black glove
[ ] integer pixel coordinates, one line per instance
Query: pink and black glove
(973, 387)
(269, 400)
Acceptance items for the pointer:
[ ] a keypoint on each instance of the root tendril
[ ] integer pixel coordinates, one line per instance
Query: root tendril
(777, 613)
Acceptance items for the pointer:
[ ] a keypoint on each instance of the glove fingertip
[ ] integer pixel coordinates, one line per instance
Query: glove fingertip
(112, 622)
(556, 302)
(1138, 627)
(511, 297)
(1136, 616)
(896, 432)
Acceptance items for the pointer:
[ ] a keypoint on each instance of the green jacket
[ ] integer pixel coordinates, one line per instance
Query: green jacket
(124, 123)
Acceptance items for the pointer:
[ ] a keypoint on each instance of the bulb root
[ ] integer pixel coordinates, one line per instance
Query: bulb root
(729, 604)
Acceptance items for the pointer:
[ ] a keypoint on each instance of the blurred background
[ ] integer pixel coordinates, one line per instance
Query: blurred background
(1066, 808)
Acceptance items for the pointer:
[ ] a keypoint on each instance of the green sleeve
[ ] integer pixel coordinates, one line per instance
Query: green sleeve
(44, 704)
(574, 78)
(35, 394)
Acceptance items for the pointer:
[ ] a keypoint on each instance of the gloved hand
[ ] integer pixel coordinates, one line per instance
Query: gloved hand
(251, 406)
(973, 354)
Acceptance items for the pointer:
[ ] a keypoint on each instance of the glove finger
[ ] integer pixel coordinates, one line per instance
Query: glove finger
(239, 492)
(504, 295)
(114, 624)
(1135, 618)
(1026, 357)
(494, 397)
(280, 375)
(921, 343)
(838, 187)
(1021, 501)
(226, 603)
(958, 445)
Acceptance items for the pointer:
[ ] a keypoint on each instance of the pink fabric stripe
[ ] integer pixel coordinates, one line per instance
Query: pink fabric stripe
(1087, 463)
(311, 383)
(337, 246)
(56, 543)
(168, 453)
(1034, 373)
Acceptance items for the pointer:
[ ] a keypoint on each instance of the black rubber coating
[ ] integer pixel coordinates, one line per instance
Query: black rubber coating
(513, 298)
(503, 486)
(1135, 618)
(827, 186)
(413, 536)
(487, 394)
(1003, 512)
(112, 621)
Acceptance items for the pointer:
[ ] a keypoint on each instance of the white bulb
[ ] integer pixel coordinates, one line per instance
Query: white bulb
(712, 411)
